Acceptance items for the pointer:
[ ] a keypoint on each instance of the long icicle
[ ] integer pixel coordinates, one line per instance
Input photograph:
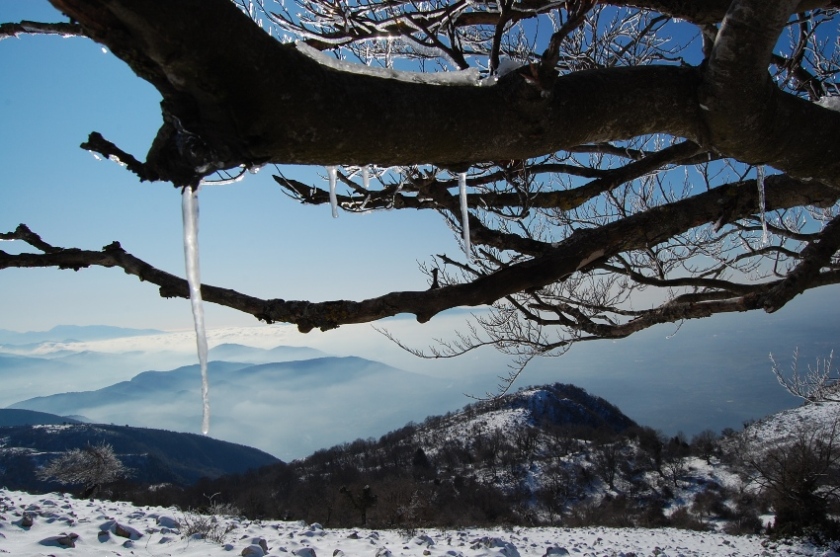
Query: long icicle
(762, 204)
(465, 214)
(366, 177)
(332, 171)
(189, 212)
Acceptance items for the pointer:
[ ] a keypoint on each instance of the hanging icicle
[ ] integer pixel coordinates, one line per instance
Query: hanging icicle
(465, 214)
(366, 177)
(189, 212)
(762, 204)
(332, 171)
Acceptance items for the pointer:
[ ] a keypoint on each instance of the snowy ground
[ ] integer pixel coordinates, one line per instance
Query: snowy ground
(61, 525)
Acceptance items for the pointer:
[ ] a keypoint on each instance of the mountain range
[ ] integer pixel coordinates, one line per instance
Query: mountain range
(70, 333)
(273, 406)
(705, 377)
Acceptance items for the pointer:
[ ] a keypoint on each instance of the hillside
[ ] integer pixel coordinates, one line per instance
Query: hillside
(156, 456)
(549, 455)
(500, 461)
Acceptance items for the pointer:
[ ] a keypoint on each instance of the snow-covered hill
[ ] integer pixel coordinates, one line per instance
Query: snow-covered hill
(55, 524)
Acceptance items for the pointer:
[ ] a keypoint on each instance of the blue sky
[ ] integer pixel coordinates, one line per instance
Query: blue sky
(253, 237)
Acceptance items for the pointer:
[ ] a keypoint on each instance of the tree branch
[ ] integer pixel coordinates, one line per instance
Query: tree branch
(580, 250)
(205, 55)
(8, 30)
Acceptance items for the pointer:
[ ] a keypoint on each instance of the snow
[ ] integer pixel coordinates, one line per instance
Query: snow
(509, 65)
(831, 103)
(463, 77)
(332, 171)
(115, 528)
(465, 213)
(788, 424)
(366, 177)
(189, 211)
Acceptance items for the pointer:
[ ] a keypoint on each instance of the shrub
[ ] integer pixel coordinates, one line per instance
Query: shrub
(92, 466)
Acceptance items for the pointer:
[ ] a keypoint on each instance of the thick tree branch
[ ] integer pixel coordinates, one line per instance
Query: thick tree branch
(748, 117)
(204, 56)
(8, 30)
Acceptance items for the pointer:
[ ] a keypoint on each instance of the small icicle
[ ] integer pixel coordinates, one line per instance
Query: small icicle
(189, 211)
(332, 171)
(762, 204)
(465, 214)
(366, 177)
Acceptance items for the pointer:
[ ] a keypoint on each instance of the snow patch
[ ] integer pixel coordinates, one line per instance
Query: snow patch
(463, 77)
(82, 520)
(831, 103)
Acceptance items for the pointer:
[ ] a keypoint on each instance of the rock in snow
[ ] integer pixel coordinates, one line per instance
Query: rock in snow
(73, 527)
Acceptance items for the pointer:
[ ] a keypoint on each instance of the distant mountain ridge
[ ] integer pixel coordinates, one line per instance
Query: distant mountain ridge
(11, 417)
(275, 406)
(68, 333)
(241, 353)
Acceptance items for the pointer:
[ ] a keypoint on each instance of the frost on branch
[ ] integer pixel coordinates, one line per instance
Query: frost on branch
(464, 77)
(820, 383)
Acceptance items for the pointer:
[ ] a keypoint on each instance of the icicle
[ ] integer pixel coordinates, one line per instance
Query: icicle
(465, 215)
(366, 177)
(189, 211)
(333, 172)
(762, 204)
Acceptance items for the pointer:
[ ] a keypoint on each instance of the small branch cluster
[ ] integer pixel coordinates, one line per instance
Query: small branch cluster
(91, 467)
(820, 383)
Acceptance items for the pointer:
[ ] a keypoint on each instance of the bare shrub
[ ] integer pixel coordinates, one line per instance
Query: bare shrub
(91, 466)
(206, 527)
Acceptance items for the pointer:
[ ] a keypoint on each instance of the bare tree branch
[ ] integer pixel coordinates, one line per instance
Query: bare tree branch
(577, 252)
(8, 30)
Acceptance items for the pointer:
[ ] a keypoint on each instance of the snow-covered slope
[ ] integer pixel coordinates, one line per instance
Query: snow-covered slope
(786, 425)
(61, 525)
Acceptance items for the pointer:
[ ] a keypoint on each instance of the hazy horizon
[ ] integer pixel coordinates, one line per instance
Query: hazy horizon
(706, 374)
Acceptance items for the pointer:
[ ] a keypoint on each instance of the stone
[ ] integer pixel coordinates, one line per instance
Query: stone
(253, 550)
